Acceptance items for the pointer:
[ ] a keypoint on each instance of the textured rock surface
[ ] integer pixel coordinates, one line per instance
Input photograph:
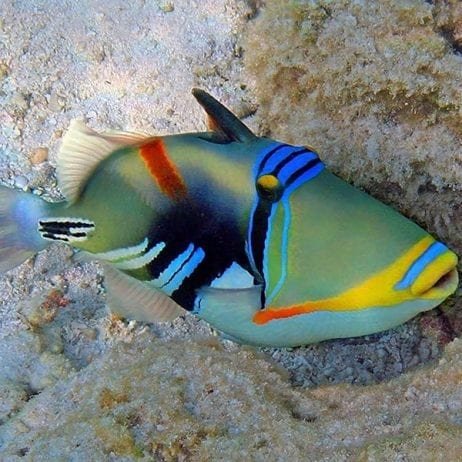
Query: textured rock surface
(374, 85)
(178, 400)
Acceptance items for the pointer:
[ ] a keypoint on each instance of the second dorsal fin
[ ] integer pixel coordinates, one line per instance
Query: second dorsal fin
(222, 119)
(82, 149)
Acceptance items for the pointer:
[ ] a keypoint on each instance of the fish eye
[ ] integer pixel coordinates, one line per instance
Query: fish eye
(269, 188)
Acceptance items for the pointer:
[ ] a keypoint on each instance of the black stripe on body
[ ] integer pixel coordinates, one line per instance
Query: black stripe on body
(54, 237)
(66, 224)
(184, 225)
(259, 231)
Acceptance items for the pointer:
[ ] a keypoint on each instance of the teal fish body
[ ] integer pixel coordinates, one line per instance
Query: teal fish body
(252, 235)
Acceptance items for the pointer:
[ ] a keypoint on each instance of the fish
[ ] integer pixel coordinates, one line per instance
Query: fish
(255, 236)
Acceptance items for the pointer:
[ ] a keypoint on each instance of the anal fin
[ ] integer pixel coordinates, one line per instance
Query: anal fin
(133, 299)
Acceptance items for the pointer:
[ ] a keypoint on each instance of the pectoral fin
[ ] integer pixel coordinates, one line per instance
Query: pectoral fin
(230, 310)
(133, 299)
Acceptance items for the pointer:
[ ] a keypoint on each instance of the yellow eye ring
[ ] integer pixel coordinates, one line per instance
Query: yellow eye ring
(268, 182)
(269, 187)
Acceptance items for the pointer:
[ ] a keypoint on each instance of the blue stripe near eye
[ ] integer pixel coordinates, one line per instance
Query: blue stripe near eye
(293, 166)
(249, 235)
(308, 175)
(434, 251)
(267, 242)
(267, 164)
(283, 251)
(296, 164)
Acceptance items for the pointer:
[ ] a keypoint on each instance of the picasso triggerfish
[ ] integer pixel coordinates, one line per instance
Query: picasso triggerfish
(253, 235)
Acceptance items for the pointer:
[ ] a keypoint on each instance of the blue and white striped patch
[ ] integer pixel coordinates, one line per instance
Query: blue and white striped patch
(179, 269)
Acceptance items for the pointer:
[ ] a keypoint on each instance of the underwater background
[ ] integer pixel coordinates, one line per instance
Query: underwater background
(375, 86)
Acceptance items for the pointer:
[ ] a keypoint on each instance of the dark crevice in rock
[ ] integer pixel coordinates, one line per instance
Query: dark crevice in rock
(448, 35)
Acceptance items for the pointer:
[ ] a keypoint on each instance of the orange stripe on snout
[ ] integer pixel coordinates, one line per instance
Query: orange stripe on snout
(162, 169)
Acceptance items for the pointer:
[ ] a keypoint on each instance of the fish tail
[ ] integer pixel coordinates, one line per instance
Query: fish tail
(19, 238)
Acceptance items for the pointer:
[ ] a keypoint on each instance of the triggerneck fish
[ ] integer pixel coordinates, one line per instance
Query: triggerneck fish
(253, 235)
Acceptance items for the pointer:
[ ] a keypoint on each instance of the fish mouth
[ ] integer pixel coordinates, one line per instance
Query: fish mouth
(438, 278)
(442, 285)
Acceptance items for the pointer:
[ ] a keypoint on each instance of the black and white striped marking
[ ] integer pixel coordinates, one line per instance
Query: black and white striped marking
(65, 229)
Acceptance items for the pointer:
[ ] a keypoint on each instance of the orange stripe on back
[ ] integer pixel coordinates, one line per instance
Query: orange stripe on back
(162, 169)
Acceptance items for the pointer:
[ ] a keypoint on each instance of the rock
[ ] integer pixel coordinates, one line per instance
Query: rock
(4, 70)
(21, 182)
(184, 400)
(376, 87)
(39, 155)
(166, 6)
(12, 398)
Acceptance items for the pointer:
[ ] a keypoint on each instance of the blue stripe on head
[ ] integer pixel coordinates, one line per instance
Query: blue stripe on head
(267, 240)
(283, 251)
(295, 165)
(249, 235)
(270, 157)
(285, 161)
(303, 178)
(434, 251)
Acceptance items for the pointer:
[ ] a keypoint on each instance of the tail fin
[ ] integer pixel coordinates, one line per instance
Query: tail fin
(19, 238)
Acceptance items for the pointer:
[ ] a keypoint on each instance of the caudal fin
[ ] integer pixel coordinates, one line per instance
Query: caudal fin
(19, 239)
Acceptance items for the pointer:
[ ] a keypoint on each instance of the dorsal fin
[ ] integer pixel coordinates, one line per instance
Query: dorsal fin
(222, 118)
(82, 149)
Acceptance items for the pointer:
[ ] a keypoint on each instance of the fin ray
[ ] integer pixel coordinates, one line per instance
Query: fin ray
(134, 299)
(82, 149)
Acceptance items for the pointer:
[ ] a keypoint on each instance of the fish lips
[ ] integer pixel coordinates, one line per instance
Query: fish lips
(438, 279)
